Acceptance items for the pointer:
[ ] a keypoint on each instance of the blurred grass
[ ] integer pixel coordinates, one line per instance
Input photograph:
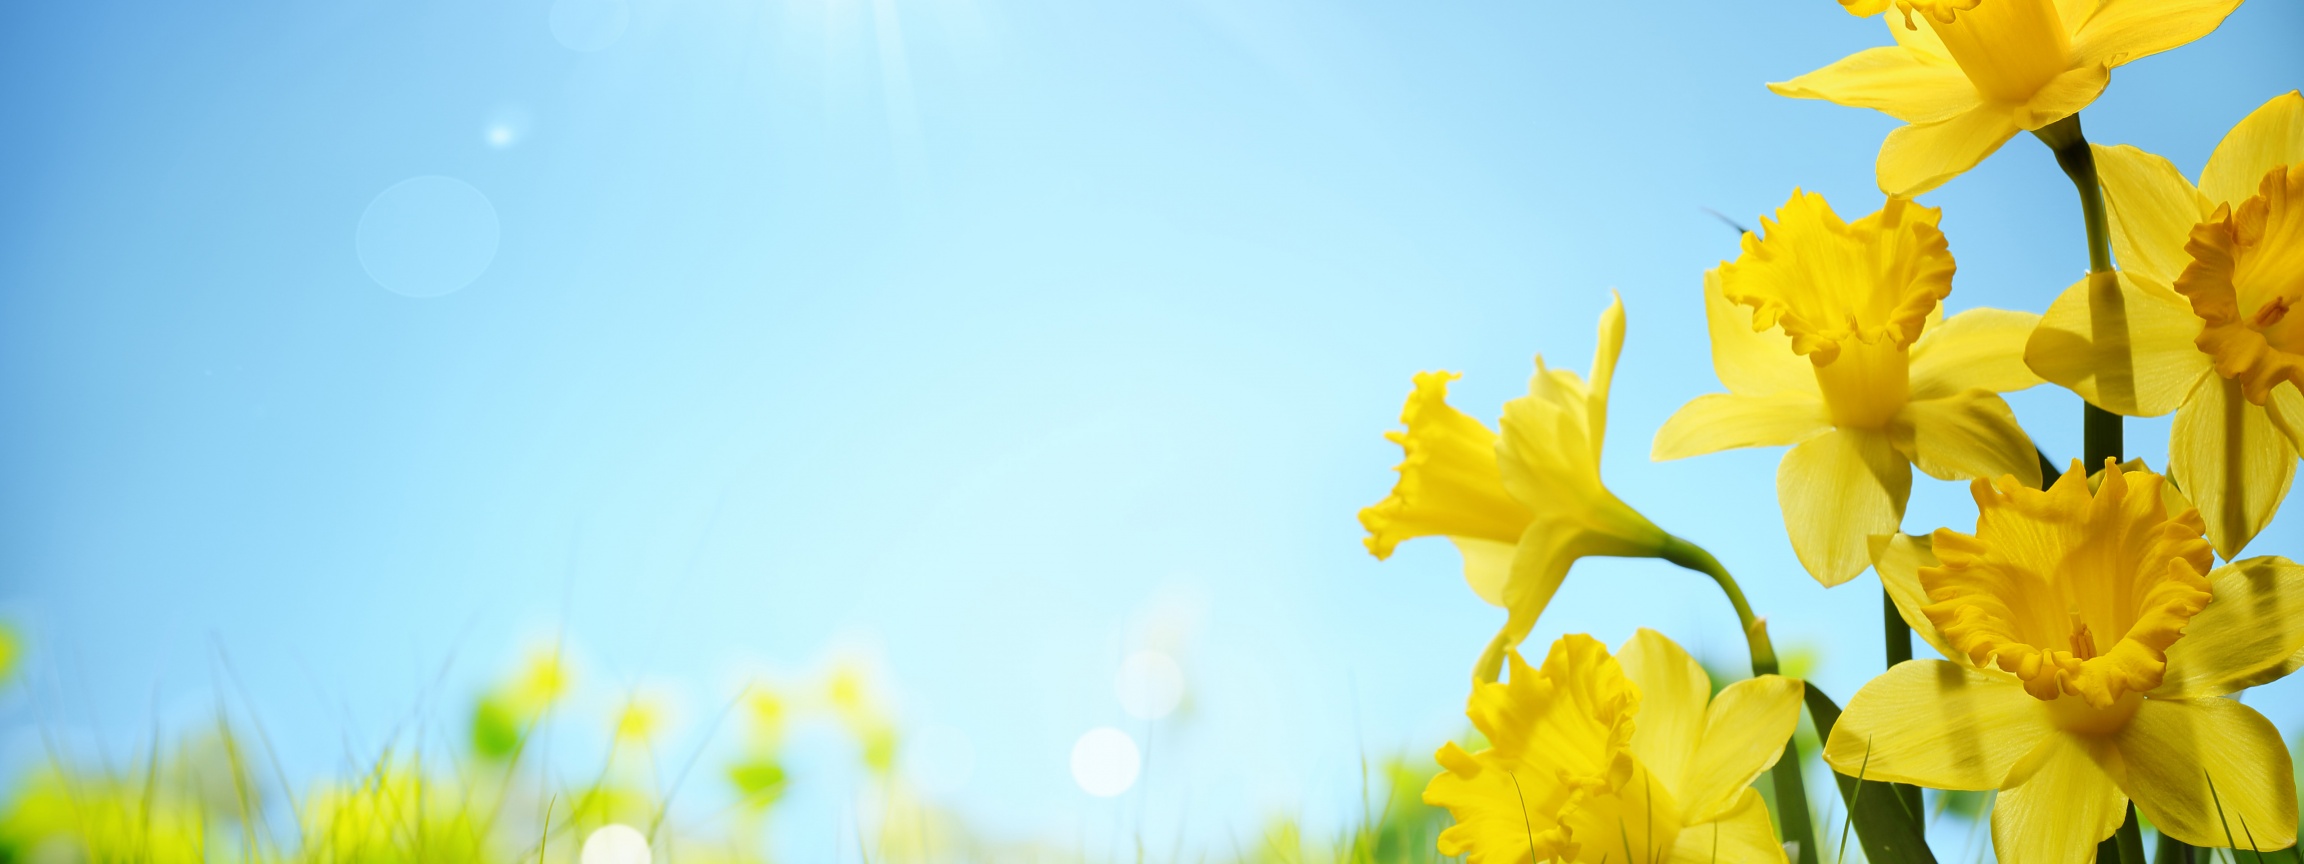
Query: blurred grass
(215, 794)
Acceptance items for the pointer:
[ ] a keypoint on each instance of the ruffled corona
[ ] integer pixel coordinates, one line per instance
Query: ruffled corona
(1569, 777)
(1559, 738)
(1852, 297)
(2075, 593)
(1449, 482)
(2245, 280)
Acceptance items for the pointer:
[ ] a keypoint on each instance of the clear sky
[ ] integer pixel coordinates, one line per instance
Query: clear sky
(980, 337)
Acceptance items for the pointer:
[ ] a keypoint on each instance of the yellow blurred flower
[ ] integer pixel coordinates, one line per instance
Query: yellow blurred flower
(1845, 355)
(2208, 278)
(1629, 758)
(1521, 507)
(1967, 75)
(2089, 655)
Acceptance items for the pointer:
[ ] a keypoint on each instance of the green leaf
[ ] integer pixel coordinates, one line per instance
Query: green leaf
(1886, 832)
(495, 729)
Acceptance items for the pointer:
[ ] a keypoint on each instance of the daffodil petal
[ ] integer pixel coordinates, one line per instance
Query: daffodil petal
(2141, 363)
(2061, 804)
(2152, 209)
(1744, 734)
(1894, 80)
(2064, 95)
(1898, 559)
(2286, 405)
(1837, 490)
(1487, 566)
(1607, 344)
(2231, 461)
(1674, 690)
(1979, 348)
(1741, 834)
(2175, 748)
(2270, 136)
(2250, 633)
(1752, 362)
(1967, 436)
(1542, 560)
(1721, 421)
(2122, 31)
(1921, 156)
(1915, 35)
(1934, 723)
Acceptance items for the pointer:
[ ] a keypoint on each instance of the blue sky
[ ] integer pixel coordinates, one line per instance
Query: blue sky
(980, 337)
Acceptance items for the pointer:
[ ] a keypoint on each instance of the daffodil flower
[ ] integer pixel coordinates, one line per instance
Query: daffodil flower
(2090, 650)
(1967, 75)
(1614, 759)
(1522, 506)
(1844, 354)
(2200, 319)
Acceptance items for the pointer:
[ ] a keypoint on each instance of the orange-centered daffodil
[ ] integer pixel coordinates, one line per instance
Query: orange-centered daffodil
(1629, 758)
(2090, 650)
(2202, 318)
(1520, 507)
(1841, 350)
(1967, 75)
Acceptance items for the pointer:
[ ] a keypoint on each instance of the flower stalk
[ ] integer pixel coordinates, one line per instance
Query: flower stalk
(2101, 430)
(1791, 791)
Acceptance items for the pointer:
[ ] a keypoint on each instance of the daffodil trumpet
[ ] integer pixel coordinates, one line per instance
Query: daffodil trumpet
(1595, 758)
(1830, 338)
(1522, 503)
(2090, 648)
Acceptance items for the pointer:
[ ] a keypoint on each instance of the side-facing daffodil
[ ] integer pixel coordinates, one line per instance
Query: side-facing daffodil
(2202, 318)
(1597, 759)
(1967, 75)
(2091, 648)
(1522, 506)
(1845, 355)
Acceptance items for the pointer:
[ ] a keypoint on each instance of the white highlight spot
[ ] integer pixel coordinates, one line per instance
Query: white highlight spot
(615, 844)
(1104, 762)
(427, 236)
(1150, 685)
(589, 25)
(507, 126)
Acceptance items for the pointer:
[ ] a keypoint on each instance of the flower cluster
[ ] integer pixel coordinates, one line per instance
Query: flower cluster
(2094, 624)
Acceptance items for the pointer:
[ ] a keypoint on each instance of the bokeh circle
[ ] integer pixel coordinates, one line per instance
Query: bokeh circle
(427, 236)
(1105, 762)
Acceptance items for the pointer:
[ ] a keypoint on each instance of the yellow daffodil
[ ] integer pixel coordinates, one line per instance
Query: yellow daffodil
(1616, 759)
(1845, 355)
(1967, 75)
(2090, 650)
(1522, 506)
(2200, 319)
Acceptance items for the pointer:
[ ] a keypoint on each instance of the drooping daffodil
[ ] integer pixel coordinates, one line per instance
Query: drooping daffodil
(1830, 337)
(2202, 317)
(1967, 75)
(1521, 506)
(2091, 650)
(1597, 759)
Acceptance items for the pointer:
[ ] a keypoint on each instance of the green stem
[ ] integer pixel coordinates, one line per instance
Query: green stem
(1898, 638)
(1897, 633)
(1791, 793)
(2172, 851)
(2101, 430)
(2131, 839)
